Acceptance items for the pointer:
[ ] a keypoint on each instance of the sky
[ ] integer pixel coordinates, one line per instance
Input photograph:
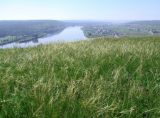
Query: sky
(80, 9)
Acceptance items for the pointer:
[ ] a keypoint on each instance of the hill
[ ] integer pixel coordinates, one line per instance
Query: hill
(23, 31)
(96, 78)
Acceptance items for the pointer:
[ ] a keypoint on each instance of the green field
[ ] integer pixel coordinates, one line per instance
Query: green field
(99, 78)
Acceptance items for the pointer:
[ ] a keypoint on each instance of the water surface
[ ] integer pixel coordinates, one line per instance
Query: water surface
(69, 34)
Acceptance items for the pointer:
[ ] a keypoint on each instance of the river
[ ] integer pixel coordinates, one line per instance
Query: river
(69, 34)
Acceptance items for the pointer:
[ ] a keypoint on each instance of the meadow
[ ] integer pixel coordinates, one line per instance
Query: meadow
(96, 78)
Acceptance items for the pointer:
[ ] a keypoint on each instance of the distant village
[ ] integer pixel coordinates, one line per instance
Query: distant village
(117, 31)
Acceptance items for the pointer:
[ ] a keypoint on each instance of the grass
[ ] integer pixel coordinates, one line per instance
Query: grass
(100, 78)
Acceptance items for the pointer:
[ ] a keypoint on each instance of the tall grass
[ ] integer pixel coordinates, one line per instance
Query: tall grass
(100, 78)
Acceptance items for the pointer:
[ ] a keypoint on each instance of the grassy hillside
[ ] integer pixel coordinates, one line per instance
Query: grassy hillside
(101, 78)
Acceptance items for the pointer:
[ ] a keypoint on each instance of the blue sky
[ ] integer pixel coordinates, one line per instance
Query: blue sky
(80, 9)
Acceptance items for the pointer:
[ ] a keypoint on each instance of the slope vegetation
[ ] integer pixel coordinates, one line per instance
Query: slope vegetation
(100, 78)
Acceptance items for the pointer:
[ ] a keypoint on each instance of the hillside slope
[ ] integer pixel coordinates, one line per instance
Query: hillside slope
(101, 78)
(28, 30)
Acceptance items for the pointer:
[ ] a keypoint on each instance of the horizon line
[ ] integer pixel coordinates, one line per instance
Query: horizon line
(80, 19)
